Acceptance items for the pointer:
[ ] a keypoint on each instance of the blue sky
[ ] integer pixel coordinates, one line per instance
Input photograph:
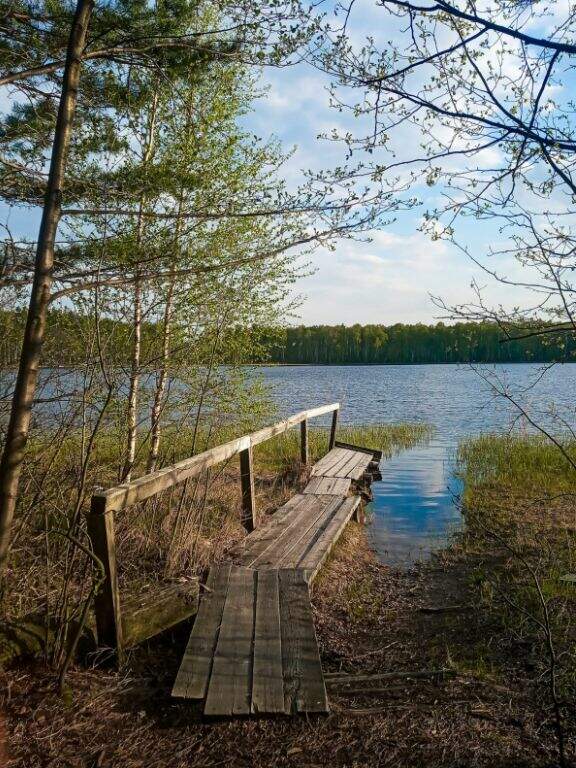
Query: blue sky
(387, 280)
(391, 278)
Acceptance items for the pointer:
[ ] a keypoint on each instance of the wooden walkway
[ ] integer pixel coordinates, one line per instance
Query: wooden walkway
(253, 647)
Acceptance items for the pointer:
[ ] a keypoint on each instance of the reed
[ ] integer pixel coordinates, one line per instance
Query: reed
(518, 503)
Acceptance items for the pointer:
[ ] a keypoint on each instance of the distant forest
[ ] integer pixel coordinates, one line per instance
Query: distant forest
(398, 344)
(405, 344)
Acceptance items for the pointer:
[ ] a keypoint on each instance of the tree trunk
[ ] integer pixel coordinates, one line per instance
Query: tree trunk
(156, 414)
(30, 355)
(132, 410)
(132, 413)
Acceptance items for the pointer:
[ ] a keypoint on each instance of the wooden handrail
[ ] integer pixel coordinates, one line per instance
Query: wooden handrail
(143, 488)
(106, 503)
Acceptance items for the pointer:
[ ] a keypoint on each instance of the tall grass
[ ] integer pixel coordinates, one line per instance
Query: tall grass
(281, 452)
(522, 463)
(519, 504)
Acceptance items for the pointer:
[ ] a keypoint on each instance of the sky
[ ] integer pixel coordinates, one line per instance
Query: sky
(393, 273)
(392, 278)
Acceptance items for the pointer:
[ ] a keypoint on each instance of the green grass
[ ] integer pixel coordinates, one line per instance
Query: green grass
(283, 451)
(518, 501)
(530, 463)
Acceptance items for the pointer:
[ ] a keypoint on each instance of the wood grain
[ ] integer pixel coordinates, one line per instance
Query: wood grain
(267, 676)
(194, 673)
(304, 689)
(230, 686)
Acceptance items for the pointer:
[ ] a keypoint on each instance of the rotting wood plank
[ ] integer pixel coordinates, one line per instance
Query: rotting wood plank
(152, 613)
(267, 676)
(332, 486)
(194, 673)
(314, 558)
(295, 537)
(230, 685)
(304, 689)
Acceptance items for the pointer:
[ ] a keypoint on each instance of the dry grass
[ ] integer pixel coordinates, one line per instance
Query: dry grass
(373, 625)
(491, 711)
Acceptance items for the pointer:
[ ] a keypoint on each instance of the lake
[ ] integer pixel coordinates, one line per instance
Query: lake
(415, 506)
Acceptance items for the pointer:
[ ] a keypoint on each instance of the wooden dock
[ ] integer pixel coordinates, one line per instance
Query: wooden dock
(253, 647)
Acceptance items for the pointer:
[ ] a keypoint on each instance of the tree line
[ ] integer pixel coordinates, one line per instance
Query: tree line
(402, 344)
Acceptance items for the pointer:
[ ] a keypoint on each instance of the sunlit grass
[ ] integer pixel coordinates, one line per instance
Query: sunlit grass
(283, 451)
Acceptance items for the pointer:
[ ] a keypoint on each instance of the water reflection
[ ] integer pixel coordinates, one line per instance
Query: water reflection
(414, 507)
(413, 511)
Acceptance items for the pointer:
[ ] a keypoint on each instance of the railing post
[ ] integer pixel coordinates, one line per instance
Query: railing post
(100, 524)
(304, 441)
(248, 495)
(333, 429)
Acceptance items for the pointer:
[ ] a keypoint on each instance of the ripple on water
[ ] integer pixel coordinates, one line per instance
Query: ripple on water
(413, 511)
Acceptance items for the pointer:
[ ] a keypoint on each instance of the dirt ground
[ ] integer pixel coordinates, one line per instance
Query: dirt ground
(486, 709)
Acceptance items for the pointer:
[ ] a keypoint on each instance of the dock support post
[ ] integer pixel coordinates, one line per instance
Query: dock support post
(333, 430)
(100, 524)
(304, 441)
(248, 495)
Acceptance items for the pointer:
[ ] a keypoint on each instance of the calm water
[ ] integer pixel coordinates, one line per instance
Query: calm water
(414, 508)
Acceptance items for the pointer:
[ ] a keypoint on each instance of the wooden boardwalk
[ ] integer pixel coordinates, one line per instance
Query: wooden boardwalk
(253, 647)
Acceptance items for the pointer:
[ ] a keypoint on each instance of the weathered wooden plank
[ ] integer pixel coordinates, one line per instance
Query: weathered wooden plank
(143, 488)
(357, 472)
(267, 677)
(257, 543)
(327, 460)
(194, 673)
(314, 558)
(333, 430)
(375, 453)
(230, 685)
(335, 469)
(333, 459)
(283, 426)
(152, 613)
(304, 689)
(304, 442)
(249, 520)
(353, 461)
(333, 486)
(295, 537)
(355, 467)
(296, 554)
